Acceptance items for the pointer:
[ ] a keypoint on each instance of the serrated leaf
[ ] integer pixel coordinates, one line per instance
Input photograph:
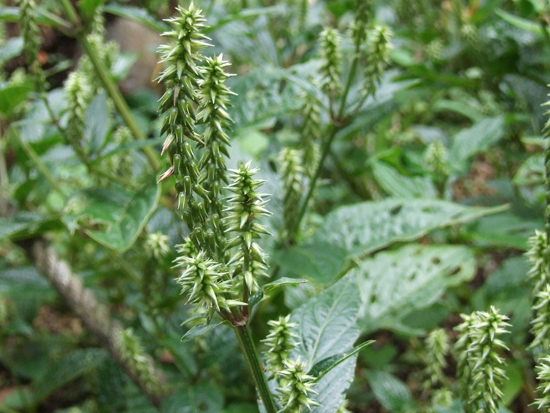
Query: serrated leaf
(476, 139)
(328, 364)
(267, 288)
(327, 327)
(394, 284)
(391, 392)
(200, 330)
(26, 224)
(354, 231)
(97, 123)
(121, 212)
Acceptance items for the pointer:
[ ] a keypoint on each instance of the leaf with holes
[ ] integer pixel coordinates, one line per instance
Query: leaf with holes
(394, 284)
(352, 232)
(327, 326)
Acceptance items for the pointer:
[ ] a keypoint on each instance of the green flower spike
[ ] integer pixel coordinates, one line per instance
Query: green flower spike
(77, 91)
(332, 60)
(279, 342)
(202, 280)
(437, 348)
(543, 377)
(537, 255)
(292, 176)
(32, 39)
(378, 56)
(311, 133)
(436, 158)
(482, 355)
(246, 205)
(297, 386)
(359, 27)
(157, 244)
(541, 321)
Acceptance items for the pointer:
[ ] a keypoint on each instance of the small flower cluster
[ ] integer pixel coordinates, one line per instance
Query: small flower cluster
(296, 386)
(480, 364)
(436, 158)
(157, 244)
(332, 60)
(280, 342)
(379, 47)
(437, 348)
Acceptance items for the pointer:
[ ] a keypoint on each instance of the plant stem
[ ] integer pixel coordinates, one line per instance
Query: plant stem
(251, 355)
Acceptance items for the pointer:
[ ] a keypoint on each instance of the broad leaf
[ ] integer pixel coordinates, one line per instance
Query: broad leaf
(200, 330)
(391, 392)
(97, 123)
(474, 140)
(397, 185)
(88, 7)
(520, 22)
(26, 224)
(267, 288)
(12, 96)
(327, 327)
(122, 212)
(394, 284)
(330, 363)
(136, 14)
(354, 231)
(203, 398)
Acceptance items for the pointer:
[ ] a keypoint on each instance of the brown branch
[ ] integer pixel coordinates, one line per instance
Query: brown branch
(94, 315)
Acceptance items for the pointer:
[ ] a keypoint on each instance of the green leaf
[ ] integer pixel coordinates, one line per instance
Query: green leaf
(200, 330)
(519, 22)
(400, 186)
(138, 15)
(243, 14)
(11, 14)
(88, 7)
(352, 232)
(476, 139)
(122, 213)
(327, 327)
(326, 365)
(26, 224)
(202, 398)
(12, 48)
(391, 392)
(267, 288)
(24, 283)
(394, 284)
(97, 123)
(13, 96)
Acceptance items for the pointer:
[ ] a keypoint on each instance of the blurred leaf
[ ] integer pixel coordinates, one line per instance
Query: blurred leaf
(394, 284)
(514, 383)
(88, 7)
(391, 392)
(24, 283)
(241, 15)
(400, 186)
(200, 330)
(519, 22)
(476, 139)
(505, 230)
(26, 224)
(12, 48)
(202, 398)
(327, 327)
(97, 123)
(267, 288)
(13, 96)
(330, 363)
(137, 14)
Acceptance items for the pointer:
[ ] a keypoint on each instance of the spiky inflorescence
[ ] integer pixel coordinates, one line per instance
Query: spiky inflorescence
(482, 355)
(437, 348)
(246, 205)
(463, 367)
(332, 60)
(379, 47)
(133, 353)
(203, 281)
(32, 40)
(546, 132)
(360, 25)
(436, 158)
(157, 244)
(296, 386)
(292, 176)
(311, 133)
(543, 377)
(214, 99)
(280, 342)
(77, 91)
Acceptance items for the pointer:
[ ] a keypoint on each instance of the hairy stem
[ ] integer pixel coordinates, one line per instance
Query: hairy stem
(251, 355)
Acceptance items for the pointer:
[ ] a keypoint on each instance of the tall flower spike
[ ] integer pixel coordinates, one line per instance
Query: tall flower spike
(32, 40)
(297, 386)
(378, 54)
(246, 205)
(280, 342)
(362, 17)
(543, 377)
(311, 133)
(77, 91)
(331, 60)
(464, 341)
(292, 177)
(437, 348)
(485, 361)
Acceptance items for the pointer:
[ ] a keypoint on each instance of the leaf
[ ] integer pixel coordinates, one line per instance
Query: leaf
(352, 232)
(97, 123)
(24, 283)
(401, 186)
(200, 330)
(394, 284)
(478, 138)
(519, 22)
(138, 15)
(26, 224)
(88, 7)
(202, 398)
(12, 96)
(267, 288)
(326, 365)
(12, 48)
(122, 213)
(327, 327)
(243, 14)
(391, 392)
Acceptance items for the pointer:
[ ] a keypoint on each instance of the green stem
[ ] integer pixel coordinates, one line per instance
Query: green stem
(251, 355)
